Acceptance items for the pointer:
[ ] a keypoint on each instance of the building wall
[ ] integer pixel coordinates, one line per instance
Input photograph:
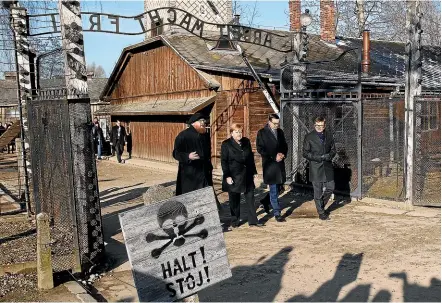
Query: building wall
(9, 114)
(198, 8)
(157, 73)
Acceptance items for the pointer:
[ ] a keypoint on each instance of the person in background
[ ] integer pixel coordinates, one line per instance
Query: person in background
(319, 149)
(129, 141)
(97, 134)
(239, 170)
(272, 146)
(118, 139)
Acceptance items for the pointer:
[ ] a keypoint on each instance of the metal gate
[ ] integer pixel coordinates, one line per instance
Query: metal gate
(52, 176)
(427, 155)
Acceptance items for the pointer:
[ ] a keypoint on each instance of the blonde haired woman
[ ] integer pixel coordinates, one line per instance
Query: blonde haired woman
(239, 169)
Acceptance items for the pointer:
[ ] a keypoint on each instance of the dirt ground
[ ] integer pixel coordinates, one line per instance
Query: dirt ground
(365, 253)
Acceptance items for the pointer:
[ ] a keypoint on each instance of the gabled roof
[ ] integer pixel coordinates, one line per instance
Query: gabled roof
(333, 62)
(8, 89)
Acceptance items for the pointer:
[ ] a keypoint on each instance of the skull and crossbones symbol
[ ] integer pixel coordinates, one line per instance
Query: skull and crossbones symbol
(173, 219)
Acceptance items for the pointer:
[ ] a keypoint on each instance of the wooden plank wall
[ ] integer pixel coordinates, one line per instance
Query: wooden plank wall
(158, 71)
(154, 141)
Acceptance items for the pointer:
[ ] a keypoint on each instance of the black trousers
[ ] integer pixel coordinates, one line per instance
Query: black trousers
(119, 150)
(321, 197)
(234, 202)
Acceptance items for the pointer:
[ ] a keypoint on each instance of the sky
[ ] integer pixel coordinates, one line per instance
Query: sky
(104, 49)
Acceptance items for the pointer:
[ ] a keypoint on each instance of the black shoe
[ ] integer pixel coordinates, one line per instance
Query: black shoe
(256, 225)
(324, 217)
(235, 224)
(280, 219)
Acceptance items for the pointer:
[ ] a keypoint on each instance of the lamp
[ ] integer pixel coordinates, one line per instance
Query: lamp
(306, 18)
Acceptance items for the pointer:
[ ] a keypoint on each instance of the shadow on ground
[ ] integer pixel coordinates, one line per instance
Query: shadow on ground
(262, 282)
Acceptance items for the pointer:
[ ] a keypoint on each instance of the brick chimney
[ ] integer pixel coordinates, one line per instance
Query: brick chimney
(328, 33)
(295, 15)
(10, 75)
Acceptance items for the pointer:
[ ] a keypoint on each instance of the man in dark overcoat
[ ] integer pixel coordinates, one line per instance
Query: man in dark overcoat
(193, 151)
(319, 149)
(118, 139)
(272, 146)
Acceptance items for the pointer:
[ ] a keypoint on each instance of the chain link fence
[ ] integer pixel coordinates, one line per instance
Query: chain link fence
(52, 176)
(427, 156)
(383, 147)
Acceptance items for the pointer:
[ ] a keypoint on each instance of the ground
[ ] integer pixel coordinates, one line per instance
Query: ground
(366, 252)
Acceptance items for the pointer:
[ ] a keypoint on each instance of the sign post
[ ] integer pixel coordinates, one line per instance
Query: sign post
(176, 247)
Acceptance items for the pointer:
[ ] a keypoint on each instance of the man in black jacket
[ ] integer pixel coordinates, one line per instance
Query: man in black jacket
(118, 139)
(193, 152)
(319, 149)
(271, 145)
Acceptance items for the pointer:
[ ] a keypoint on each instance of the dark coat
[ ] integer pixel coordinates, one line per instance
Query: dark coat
(237, 162)
(97, 134)
(321, 170)
(192, 174)
(268, 147)
(114, 136)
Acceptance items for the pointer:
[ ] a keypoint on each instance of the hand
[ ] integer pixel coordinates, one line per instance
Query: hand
(229, 180)
(111, 143)
(279, 157)
(194, 156)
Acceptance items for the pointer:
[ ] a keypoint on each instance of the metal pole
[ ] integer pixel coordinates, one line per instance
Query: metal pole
(85, 187)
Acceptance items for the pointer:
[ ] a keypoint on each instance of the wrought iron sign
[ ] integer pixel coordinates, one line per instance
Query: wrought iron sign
(180, 18)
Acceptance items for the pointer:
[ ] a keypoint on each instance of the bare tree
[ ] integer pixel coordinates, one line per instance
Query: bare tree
(51, 66)
(248, 11)
(361, 15)
(97, 70)
(384, 18)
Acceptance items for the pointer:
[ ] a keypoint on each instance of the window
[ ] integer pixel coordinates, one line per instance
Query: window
(429, 115)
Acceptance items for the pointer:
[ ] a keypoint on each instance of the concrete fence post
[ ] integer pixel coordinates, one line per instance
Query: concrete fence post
(44, 264)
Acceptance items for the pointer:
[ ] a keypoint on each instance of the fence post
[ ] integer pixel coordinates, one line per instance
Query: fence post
(413, 77)
(24, 85)
(44, 265)
(85, 187)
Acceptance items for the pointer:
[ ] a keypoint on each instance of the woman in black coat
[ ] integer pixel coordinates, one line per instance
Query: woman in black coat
(239, 170)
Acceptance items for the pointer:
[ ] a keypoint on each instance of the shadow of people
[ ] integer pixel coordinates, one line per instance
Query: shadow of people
(416, 293)
(254, 283)
(382, 296)
(346, 273)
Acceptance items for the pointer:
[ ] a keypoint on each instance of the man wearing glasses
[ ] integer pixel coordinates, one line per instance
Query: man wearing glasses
(319, 149)
(271, 145)
(192, 150)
